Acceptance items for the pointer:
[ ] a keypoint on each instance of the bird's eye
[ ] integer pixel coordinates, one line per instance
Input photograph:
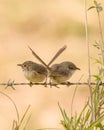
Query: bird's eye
(24, 65)
(71, 68)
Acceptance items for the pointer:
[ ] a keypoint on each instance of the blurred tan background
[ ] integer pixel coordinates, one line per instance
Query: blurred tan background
(45, 26)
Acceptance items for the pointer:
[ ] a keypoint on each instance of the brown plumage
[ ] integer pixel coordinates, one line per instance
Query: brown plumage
(62, 72)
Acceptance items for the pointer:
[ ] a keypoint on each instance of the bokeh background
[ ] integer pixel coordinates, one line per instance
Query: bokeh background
(45, 25)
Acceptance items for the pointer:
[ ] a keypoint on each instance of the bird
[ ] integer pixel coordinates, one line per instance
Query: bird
(34, 72)
(62, 72)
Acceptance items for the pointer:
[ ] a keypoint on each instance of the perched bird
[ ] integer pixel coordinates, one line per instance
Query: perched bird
(62, 72)
(34, 72)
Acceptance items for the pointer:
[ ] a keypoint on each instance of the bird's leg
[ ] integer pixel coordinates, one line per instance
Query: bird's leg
(52, 84)
(45, 83)
(30, 84)
(67, 83)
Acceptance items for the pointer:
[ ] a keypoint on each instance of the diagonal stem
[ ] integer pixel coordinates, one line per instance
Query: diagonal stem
(89, 68)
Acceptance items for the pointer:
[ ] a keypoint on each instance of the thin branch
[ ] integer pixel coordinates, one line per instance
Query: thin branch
(100, 30)
(89, 67)
(101, 37)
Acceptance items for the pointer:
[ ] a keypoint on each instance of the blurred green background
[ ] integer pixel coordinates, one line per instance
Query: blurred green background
(45, 25)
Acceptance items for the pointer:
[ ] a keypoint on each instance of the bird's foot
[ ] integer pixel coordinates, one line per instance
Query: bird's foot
(67, 83)
(52, 84)
(30, 84)
(45, 84)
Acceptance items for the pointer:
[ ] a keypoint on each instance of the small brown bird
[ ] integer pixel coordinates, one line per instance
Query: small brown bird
(34, 72)
(62, 72)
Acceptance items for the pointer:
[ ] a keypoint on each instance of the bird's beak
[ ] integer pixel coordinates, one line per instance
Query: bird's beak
(78, 69)
(19, 65)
